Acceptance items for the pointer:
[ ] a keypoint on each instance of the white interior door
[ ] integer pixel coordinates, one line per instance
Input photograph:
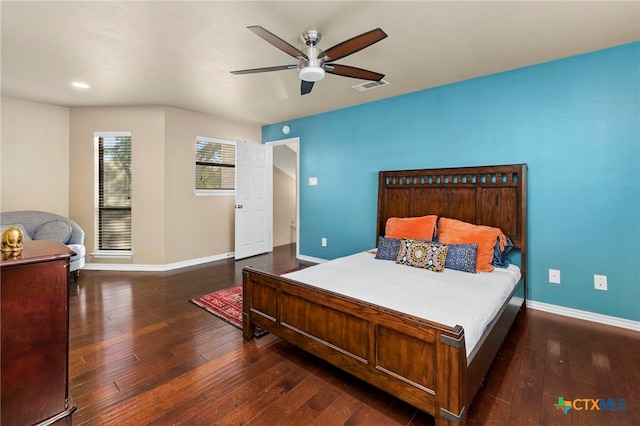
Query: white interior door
(254, 199)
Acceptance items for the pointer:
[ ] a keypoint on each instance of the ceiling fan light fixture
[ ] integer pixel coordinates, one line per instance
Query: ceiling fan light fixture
(311, 74)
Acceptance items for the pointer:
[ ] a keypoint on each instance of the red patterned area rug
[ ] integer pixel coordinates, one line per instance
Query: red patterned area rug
(226, 304)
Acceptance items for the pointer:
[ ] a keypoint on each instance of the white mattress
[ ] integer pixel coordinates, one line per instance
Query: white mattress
(450, 297)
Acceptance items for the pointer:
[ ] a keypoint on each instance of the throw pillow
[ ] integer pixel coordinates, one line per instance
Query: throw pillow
(422, 254)
(388, 248)
(53, 230)
(452, 231)
(420, 228)
(462, 257)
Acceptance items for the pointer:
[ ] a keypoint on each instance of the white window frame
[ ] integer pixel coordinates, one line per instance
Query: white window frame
(213, 192)
(97, 253)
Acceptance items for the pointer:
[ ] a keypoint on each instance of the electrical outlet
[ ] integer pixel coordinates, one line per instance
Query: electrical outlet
(554, 276)
(324, 242)
(600, 282)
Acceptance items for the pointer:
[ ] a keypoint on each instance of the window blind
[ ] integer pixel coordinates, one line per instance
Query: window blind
(215, 164)
(114, 193)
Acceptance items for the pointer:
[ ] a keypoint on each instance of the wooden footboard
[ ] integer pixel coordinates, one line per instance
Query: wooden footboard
(420, 362)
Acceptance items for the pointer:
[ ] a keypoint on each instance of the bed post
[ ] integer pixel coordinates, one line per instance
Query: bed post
(523, 228)
(247, 326)
(451, 376)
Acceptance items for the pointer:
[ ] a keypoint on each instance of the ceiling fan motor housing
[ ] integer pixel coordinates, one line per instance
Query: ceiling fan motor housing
(311, 37)
(312, 69)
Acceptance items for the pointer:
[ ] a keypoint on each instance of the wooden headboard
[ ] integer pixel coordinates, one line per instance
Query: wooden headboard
(484, 195)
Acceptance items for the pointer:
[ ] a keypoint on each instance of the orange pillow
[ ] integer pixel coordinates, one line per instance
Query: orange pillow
(452, 231)
(411, 228)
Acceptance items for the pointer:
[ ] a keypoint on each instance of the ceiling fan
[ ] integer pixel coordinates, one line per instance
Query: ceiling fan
(314, 62)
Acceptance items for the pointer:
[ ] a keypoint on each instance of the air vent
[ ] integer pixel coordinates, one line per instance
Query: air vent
(368, 85)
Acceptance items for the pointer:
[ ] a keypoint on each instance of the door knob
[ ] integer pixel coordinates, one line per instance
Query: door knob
(238, 206)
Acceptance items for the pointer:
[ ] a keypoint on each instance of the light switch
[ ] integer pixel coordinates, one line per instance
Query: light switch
(313, 181)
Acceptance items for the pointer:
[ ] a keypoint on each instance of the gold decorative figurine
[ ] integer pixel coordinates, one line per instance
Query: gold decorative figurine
(12, 238)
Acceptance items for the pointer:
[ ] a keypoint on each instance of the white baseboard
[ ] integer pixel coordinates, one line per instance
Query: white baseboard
(584, 315)
(155, 268)
(177, 265)
(311, 259)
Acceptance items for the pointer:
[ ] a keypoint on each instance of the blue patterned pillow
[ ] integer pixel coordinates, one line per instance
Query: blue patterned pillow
(388, 248)
(423, 254)
(462, 257)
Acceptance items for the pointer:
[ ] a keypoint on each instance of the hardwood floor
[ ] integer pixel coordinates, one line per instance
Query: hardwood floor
(141, 353)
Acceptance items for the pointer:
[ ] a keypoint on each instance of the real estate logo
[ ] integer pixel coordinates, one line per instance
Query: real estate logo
(590, 404)
(563, 405)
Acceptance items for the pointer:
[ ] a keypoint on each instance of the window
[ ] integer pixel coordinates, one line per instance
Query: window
(215, 166)
(113, 192)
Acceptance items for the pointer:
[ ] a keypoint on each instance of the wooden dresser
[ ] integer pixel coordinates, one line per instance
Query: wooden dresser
(34, 361)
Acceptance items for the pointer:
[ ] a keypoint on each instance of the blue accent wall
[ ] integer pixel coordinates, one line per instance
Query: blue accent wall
(575, 122)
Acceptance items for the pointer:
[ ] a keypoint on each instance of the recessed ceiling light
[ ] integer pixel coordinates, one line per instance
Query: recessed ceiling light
(80, 85)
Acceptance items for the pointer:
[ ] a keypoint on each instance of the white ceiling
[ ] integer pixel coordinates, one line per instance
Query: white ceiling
(179, 53)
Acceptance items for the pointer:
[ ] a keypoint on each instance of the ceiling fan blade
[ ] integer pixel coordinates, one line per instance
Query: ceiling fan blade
(353, 45)
(276, 41)
(306, 87)
(353, 72)
(266, 69)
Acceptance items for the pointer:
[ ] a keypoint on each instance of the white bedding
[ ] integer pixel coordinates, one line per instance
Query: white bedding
(450, 297)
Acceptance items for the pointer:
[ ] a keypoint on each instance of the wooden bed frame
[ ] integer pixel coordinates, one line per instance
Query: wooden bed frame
(416, 360)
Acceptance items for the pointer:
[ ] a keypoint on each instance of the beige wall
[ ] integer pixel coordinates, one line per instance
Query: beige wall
(34, 154)
(204, 223)
(169, 223)
(284, 208)
(146, 125)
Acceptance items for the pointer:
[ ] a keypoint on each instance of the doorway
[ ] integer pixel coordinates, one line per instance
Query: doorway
(286, 187)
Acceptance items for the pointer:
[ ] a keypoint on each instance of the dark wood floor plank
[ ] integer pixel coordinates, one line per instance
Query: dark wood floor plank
(265, 394)
(142, 354)
(267, 384)
(400, 412)
(503, 377)
(557, 379)
(283, 406)
(368, 415)
(420, 418)
(526, 404)
(339, 412)
(187, 395)
(312, 407)
(489, 410)
(377, 408)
